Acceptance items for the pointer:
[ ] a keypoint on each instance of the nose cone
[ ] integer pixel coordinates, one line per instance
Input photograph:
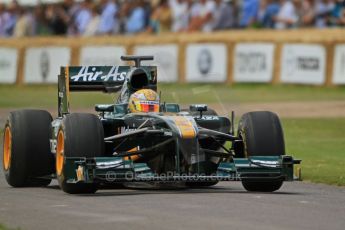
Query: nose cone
(186, 129)
(185, 126)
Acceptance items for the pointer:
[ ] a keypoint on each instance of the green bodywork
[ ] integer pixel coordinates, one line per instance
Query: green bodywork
(115, 169)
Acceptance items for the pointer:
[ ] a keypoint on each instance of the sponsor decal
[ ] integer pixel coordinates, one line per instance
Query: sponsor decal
(205, 62)
(308, 63)
(209, 118)
(272, 164)
(185, 126)
(44, 64)
(109, 164)
(303, 63)
(89, 74)
(251, 62)
(124, 129)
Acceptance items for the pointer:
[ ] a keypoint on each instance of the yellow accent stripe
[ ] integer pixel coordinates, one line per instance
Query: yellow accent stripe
(185, 126)
(133, 157)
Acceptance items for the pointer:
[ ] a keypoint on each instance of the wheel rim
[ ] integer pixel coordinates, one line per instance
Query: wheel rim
(60, 153)
(7, 148)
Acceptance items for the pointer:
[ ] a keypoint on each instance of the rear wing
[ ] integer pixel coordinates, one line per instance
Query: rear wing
(96, 78)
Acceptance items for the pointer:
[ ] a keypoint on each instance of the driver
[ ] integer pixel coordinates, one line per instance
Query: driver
(144, 101)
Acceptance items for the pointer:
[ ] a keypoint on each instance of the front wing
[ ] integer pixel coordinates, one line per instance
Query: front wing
(119, 170)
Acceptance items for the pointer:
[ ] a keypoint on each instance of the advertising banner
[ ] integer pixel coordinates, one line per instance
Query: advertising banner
(42, 64)
(253, 62)
(8, 65)
(339, 65)
(206, 62)
(102, 55)
(165, 58)
(303, 64)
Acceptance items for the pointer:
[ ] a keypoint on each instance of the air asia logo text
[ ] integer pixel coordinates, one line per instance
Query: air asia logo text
(92, 75)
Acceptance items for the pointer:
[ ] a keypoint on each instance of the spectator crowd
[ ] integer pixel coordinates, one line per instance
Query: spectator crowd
(100, 17)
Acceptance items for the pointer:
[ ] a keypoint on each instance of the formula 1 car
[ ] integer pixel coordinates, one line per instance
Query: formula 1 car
(157, 143)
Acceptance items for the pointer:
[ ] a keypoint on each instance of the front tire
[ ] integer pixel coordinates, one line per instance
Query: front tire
(26, 150)
(80, 135)
(262, 135)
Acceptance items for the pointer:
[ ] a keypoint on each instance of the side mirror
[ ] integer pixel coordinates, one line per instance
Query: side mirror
(198, 108)
(104, 108)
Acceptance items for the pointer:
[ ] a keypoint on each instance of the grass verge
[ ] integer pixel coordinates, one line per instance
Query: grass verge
(320, 143)
(3, 227)
(44, 96)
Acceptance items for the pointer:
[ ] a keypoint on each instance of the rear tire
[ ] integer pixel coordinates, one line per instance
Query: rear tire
(26, 152)
(80, 135)
(262, 135)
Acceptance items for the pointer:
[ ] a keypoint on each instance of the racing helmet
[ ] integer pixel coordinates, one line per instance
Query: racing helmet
(144, 101)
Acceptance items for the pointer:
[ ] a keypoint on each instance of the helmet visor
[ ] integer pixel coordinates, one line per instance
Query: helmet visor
(147, 106)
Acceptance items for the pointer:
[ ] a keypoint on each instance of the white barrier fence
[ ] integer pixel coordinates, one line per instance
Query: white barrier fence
(254, 62)
(42, 65)
(303, 64)
(166, 59)
(8, 65)
(339, 65)
(207, 62)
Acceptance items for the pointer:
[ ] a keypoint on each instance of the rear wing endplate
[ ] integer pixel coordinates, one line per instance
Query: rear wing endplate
(94, 78)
